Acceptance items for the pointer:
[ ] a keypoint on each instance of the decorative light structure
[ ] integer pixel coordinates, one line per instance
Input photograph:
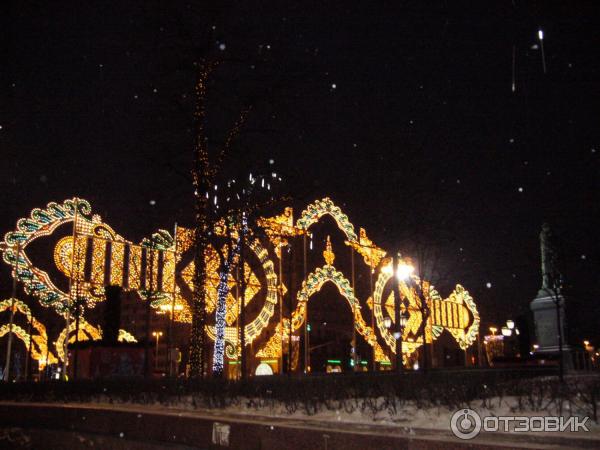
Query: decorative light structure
(97, 255)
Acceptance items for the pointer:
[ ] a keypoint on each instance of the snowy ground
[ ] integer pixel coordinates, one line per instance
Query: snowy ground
(407, 416)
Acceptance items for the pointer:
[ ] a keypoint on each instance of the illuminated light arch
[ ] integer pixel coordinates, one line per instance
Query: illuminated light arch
(313, 213)
(255, 327)
(40, 340)
(91, 231)
(467, 337)
(42, 222)
(414, 319)
(38, 353)
(313, 284)
(457, 314)
(86, 332)
(252, 329)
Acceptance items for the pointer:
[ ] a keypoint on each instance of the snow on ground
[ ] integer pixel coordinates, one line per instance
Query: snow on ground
(406, 415)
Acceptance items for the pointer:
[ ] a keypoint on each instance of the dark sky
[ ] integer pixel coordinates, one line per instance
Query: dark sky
(402, 112)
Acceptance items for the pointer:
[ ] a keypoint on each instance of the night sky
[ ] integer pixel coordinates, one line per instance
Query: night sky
(402, 112)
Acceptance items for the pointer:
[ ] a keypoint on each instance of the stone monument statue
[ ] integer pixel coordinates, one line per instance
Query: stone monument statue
(549, 305)
(550, 275)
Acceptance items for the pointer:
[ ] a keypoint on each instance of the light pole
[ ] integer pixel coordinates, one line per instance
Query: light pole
(387, 321)
(157, 335)
(12, 314)
(402, 272)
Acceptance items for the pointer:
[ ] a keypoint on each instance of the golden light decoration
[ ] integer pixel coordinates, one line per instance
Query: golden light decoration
(313, 213)
(457, 314)
(39, 347)
(328, 254)
(94, 255)
(278, 228)
(369, 251)
(255, 327)
(313, 284)
(86, 332)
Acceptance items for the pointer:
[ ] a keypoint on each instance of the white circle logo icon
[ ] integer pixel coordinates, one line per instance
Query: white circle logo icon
(465, 424)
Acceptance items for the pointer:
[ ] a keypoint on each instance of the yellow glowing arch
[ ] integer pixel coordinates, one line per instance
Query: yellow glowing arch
(86, 332)
(457, 314)
(39, 347)
(313, 284)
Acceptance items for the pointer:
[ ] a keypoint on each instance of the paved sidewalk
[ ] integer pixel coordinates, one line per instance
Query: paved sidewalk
(140, 426)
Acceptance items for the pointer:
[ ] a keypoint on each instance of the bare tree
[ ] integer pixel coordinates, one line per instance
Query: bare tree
(229, 204)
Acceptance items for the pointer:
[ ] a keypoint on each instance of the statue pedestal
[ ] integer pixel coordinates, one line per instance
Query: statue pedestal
(547, 322)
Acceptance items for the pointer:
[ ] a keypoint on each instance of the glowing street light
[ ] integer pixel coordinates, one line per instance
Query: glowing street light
(493, 330)
(404, 271)
(510, 324)
(157, 335)
(506, 331)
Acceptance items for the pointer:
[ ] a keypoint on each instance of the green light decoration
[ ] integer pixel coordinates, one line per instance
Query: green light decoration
(99, 256)
(42, 222)
(318, 209)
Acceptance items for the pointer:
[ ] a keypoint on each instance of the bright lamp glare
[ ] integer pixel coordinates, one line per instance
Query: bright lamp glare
(404, 271)
(510, 324)
(541, 35)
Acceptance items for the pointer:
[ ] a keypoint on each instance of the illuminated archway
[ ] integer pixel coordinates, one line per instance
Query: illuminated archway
(313, 284)
(457, 314)
(86, 332)
(256, 326)
(42, 222)
(39, 344)
(318, 209)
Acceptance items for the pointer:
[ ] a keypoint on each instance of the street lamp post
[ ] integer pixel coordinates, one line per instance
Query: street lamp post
(402, 272)
(157, 335)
